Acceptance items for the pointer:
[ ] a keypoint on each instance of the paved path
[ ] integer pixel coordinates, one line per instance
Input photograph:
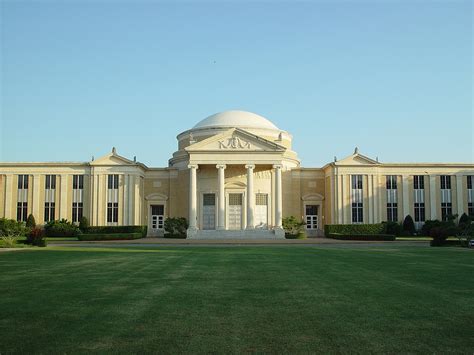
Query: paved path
(160, 242)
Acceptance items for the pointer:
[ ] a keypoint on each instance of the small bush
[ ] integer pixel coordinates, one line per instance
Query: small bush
(83, 224)
(176, 226)
(36, 237)
(9, 241)
(111, 236)
(464, 220)
(30, 221)
(354, 229)
(394, 228)
(61, 228)
(409, 226)
(12, 227)
(116, 229)
(294, 229)
(368, 237)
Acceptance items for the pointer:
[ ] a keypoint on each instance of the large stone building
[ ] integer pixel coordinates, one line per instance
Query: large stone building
(235, 174)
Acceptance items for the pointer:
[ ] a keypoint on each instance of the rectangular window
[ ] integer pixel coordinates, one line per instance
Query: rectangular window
(419, 182)
(78, 182)
(77, 198)
(50, 182)
(470, 196)
(77, 211)
(49, 197)
(22, 198)
(392, 205)
(419, 200)
(22, 211)
(311, 216)
(445, 182)
(112, 198)
(49, 211)
(112, 212)
(113, 182)
(446, 203)
(22, 182)
(357, 199)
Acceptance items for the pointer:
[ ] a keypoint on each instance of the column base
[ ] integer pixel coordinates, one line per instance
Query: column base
(279, 232)
(220, 228)
(191, 232)
(250, 228)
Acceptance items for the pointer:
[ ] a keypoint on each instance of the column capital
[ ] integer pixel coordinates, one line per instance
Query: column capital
(250, 166)
(221, 166)
(193, 166)
(277, 166)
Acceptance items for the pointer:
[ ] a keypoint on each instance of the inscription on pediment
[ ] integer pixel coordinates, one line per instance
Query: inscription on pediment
(234, 143)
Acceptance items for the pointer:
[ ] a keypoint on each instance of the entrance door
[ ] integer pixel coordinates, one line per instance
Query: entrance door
(311, 216)
(209, 211)
(235, 211)
(157, 218)
(261, 211)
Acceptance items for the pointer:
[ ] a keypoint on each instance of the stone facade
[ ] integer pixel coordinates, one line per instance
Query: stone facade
(235, 175)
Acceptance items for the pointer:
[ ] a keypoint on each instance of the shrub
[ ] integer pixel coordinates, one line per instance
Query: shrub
(61, 228)
(354, 229)
(110, 236)
(36, 237)
(464, 220)
(294, 229)
(176, 226)
(83, 224)
(12, 227)
(368, 237)
(409, 225)
(390, 227)
(116, 229)
(30, 221)
(440, 231)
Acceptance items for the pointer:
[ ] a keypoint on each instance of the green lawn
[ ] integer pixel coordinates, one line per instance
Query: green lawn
(237, 299)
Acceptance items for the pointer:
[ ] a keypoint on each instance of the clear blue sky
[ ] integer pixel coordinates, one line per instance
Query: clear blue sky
(393, 78)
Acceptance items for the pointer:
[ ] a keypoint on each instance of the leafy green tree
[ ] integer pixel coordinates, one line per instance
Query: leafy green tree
(30, 221)
(409, 225)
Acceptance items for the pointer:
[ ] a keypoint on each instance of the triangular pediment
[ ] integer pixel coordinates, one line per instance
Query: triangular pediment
(235, 140)
(112, 159)
(357, 159)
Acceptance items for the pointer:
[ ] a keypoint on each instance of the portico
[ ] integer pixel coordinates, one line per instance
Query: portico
(240, 210)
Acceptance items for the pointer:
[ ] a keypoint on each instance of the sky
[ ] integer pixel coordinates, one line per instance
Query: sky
(394, 78)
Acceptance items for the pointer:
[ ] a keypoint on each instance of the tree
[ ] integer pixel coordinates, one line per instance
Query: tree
(83, 224)
(30, 221)
(409, 225)
(464, 220)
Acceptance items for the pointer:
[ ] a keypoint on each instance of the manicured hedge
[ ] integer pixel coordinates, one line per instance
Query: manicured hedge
(354, 229)
(371, 237)
(116, 230)
(111, 236)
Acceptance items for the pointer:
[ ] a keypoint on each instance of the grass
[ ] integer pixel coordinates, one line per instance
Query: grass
(389, 299)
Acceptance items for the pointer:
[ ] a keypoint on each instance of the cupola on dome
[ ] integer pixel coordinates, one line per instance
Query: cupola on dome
(236, 118)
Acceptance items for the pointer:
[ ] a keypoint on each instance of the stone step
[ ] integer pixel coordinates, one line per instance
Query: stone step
(236, 234)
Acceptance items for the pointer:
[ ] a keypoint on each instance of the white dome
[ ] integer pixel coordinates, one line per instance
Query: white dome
(236, 119)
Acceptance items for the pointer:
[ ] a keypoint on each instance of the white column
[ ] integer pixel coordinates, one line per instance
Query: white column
(406, 204)
(126, 187)
(459, 195)
(8, 196)
(63, 199)
(375, 194)
(340, 199)
(131, 190)
(251, 197)
(433, 208)
(192, 200)
(370, 194)
(221, 197)
(278, 198)
(138, 201)
(36, 197)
